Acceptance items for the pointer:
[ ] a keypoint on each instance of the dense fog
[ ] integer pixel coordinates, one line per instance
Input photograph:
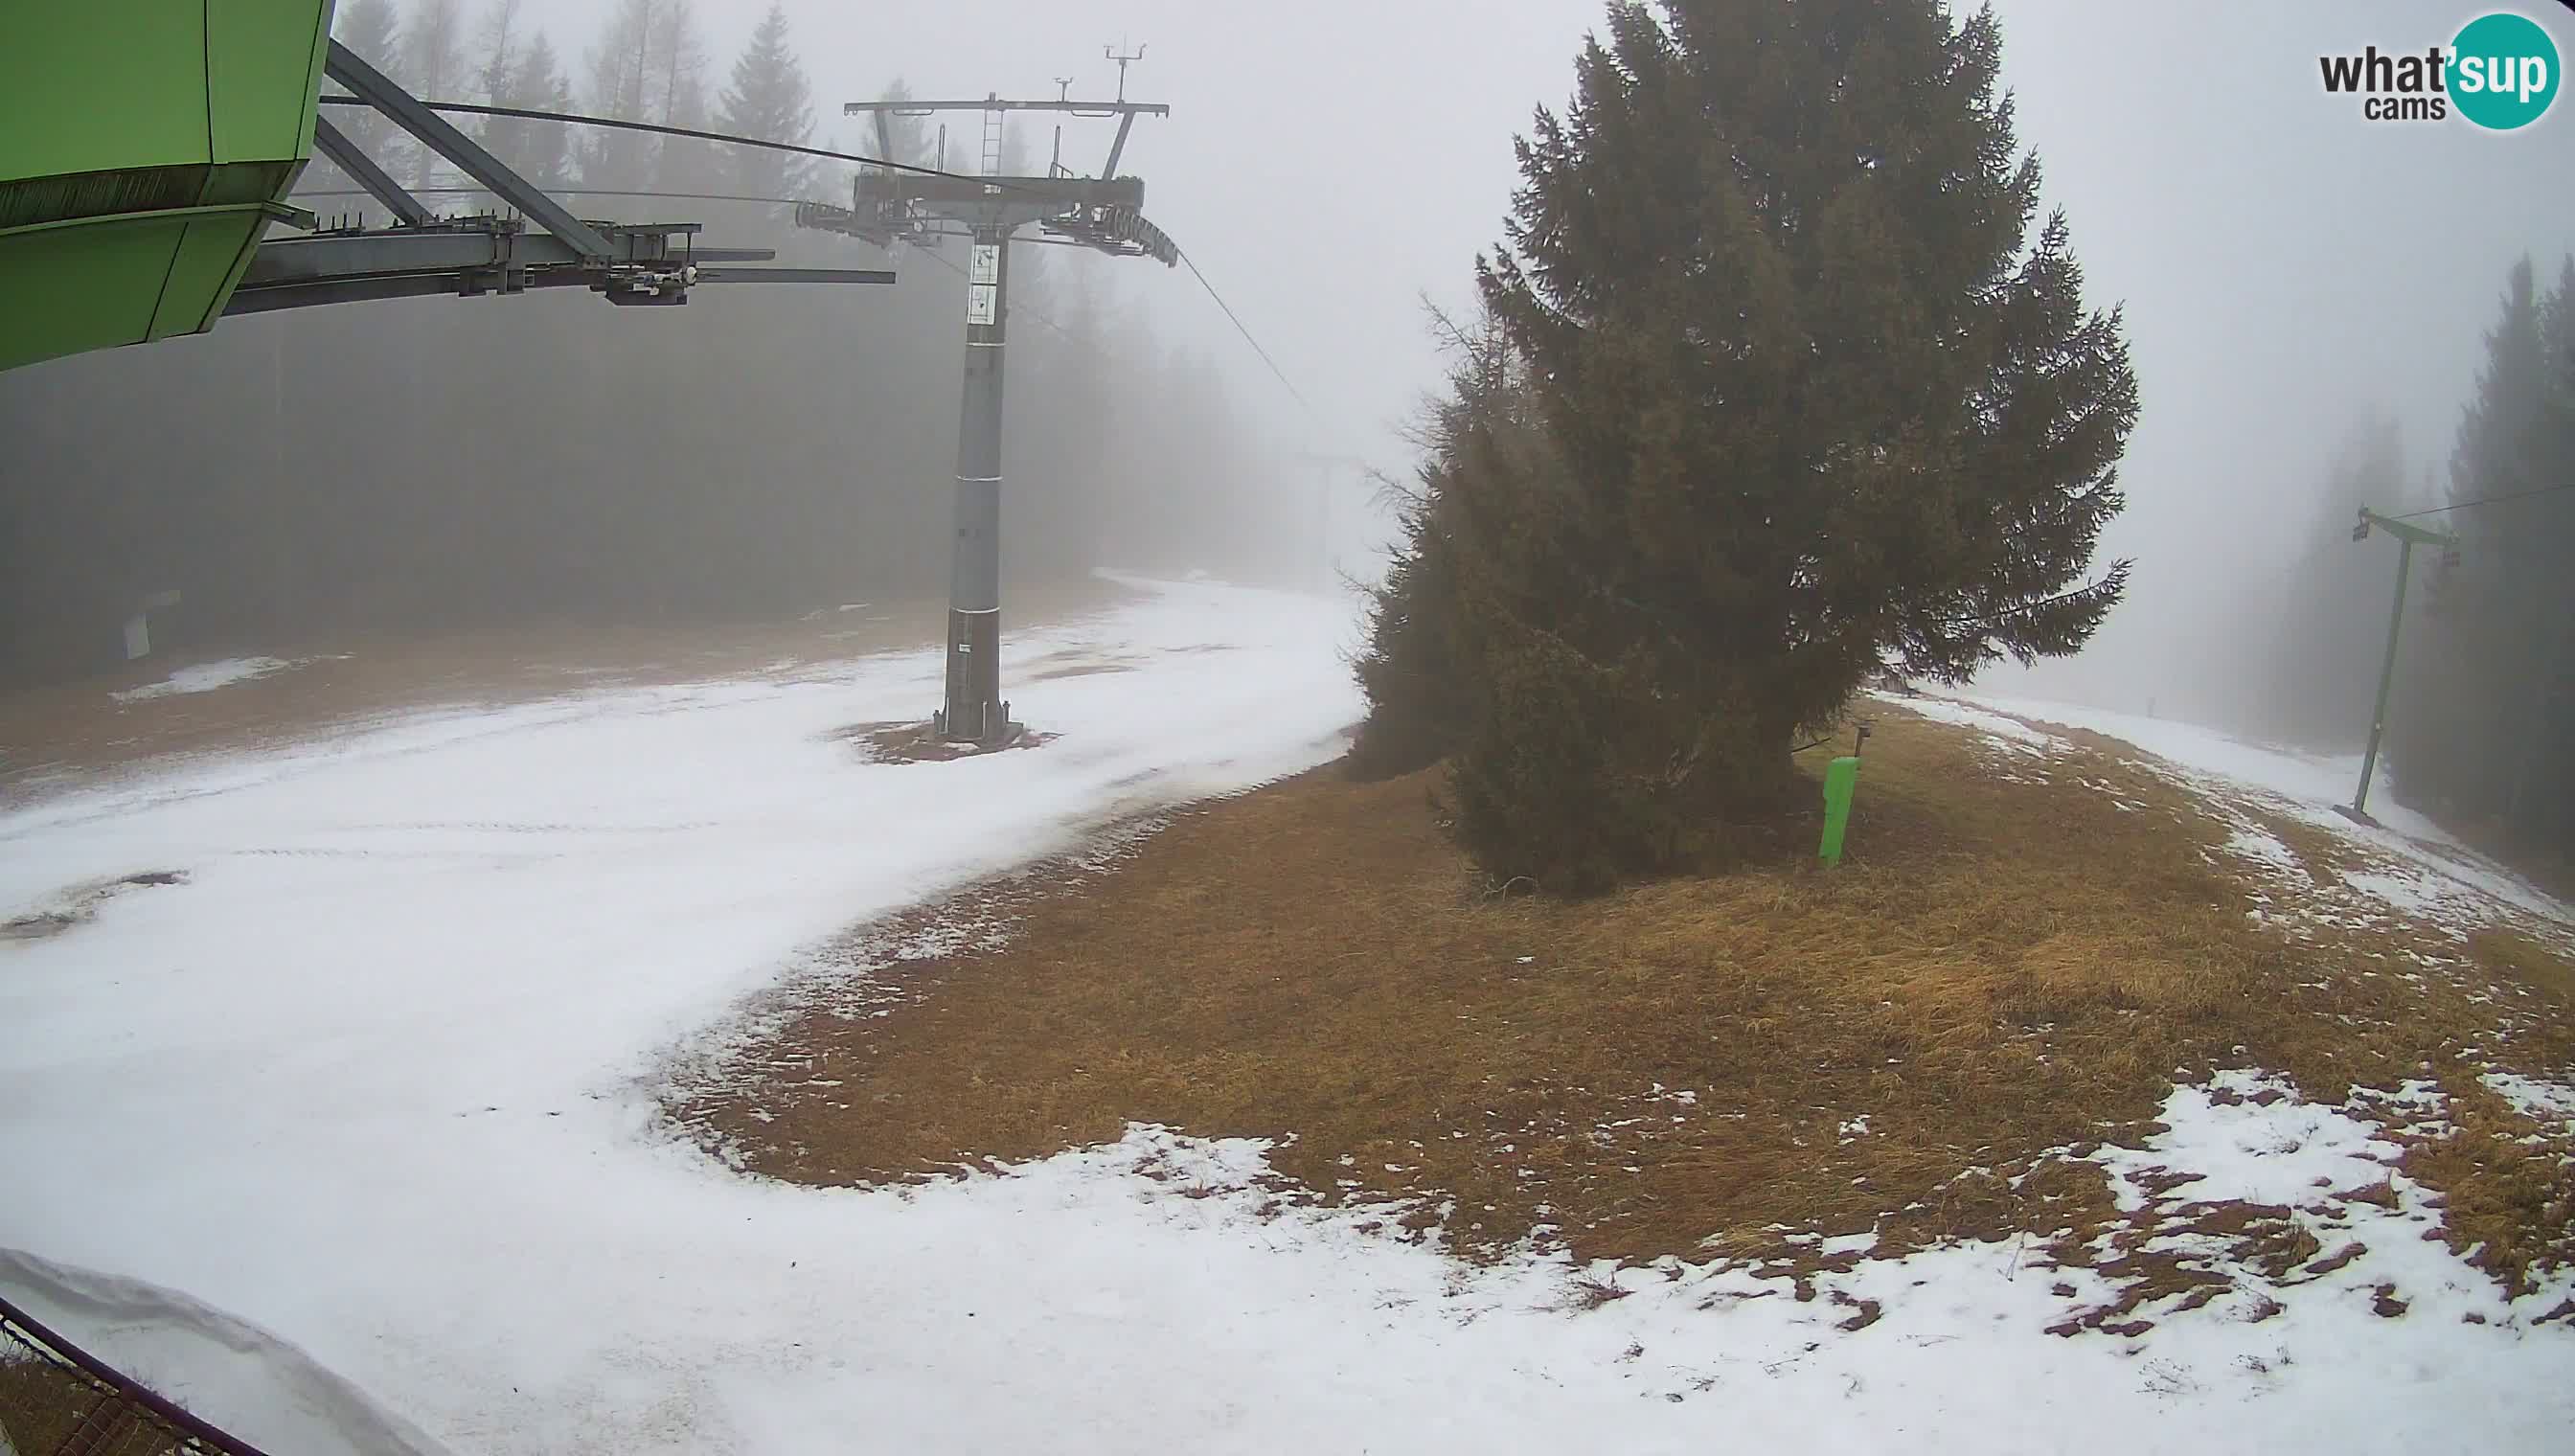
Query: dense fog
(2313, 299)
(760, 452)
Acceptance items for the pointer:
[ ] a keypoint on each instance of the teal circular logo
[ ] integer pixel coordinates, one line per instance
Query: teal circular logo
(2503, 71)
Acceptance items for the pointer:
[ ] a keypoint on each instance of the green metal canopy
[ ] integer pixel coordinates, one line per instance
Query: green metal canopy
(145, 146)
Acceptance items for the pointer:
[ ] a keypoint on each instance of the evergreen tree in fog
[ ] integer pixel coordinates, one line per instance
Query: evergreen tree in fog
(627, 81)
(432, 67)
(1813, 402)
(2484, 729)
(540, 151)
(372, 29)
(2318, 627)
(768, 98)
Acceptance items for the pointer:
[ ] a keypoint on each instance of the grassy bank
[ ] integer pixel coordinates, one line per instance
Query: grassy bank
(2024, 954)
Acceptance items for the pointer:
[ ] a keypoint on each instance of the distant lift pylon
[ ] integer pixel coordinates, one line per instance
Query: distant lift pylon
(2408, 537)
(886, 208)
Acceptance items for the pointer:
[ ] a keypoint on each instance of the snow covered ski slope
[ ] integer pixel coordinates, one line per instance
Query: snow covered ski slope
(360, 1080)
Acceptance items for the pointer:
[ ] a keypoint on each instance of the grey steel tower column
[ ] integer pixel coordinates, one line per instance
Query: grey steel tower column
(974, 710)
(891, 202)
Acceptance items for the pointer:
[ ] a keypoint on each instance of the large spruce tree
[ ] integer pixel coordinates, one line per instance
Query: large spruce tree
(1816, 403)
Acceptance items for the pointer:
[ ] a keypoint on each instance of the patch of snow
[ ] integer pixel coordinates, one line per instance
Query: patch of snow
(2302, 1158)
(2415, 892)
(2540, 1101)
(2252, 841)
(2007, 733)
(207, 676)
(2273, 1153)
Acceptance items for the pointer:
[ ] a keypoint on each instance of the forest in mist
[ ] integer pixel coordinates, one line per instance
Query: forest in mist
(2481, 722)
(761, 451)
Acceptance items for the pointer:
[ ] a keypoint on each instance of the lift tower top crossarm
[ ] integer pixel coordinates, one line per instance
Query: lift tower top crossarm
(2402, 530)
(1125, 110)
(994, 103)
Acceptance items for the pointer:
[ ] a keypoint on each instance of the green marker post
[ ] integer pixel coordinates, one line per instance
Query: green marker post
(1841, 780)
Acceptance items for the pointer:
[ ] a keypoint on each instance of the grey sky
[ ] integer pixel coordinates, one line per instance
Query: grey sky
(2283, 261)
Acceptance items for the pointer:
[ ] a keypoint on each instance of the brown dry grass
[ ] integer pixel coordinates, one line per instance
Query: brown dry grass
(2002, 971)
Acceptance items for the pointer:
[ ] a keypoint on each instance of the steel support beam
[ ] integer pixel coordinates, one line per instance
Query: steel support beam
(313, 292)
(455, 247)
(484, 256)
(2408, 537)
(375, 254)
(1117, 148)
(434, 131)
(795, 275)
(352, 159)
(2386, 681)
(974, 711)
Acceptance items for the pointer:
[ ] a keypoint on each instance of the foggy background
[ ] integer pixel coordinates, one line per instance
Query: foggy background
(2289, 271)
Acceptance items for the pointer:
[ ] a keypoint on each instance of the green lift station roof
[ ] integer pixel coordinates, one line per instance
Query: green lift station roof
(145, 146)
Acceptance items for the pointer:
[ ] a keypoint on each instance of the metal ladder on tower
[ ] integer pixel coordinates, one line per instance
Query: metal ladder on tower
(992, 148)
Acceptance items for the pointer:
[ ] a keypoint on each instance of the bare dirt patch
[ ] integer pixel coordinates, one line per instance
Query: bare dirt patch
(914, 743)
(79, 905)
(2013, 967)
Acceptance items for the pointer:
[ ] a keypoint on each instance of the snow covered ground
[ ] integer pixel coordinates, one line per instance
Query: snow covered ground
(351, 1125)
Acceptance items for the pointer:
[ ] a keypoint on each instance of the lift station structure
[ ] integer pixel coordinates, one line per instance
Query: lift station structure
(890, 208)
(148, 158)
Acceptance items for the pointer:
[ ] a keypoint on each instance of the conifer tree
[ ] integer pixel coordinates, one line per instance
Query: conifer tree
(372, 28)
(1816, 403)
(540, 150)
(2318, 627)
(2485, 717)
(433, 67)
(768, 98)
